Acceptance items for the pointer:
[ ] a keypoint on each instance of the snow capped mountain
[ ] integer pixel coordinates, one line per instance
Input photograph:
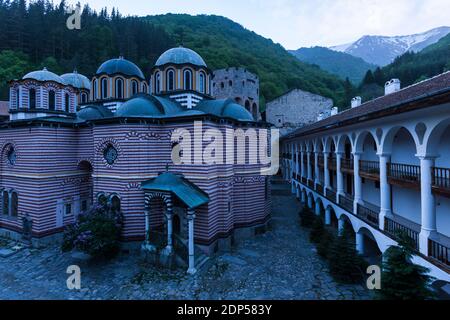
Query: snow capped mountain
(382, 50)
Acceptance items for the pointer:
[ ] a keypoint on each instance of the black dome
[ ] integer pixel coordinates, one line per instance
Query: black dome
(121, 66)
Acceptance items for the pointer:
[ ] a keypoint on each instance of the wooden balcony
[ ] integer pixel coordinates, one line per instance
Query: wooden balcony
(369, 213)
(441, 181)
(347, 165)
(330, 194)
(346, 202)
(404, 175)
(369, 169)
(332, 163)
(395, 224)
(440, 250)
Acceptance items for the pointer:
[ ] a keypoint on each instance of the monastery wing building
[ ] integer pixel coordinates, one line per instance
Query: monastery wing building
(71, 142)
(381, 167)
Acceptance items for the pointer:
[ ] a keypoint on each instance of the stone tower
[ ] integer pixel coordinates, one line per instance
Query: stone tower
(240, 85)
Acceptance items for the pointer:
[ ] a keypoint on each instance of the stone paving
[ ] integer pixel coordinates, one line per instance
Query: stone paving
(280, 264)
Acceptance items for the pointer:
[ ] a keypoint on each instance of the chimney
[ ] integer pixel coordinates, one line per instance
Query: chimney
(320, 116)
(334, 111)
(392, 86)
(356, 102)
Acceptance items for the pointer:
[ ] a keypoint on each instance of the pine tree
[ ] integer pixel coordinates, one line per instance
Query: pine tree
(401, 279)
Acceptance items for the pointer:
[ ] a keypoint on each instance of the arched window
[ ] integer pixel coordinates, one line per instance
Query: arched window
(104, 88)
(115, 203)
(66, 102)
(144, 88)
(201, 85)
(134, 87)
(84, 97)
(119, 88)
(14, 204)
(32, 99)
(51, 100)
(187, 80)
(5, 202)
(170, 85)
(102, 199)
(95, 87)
(158, 83)
(17, 99)
(230, 83)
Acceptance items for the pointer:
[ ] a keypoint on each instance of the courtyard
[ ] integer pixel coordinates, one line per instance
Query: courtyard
(279, 264)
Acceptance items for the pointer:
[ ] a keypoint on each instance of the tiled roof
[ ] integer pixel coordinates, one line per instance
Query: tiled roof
(417, 91)
(4, 106)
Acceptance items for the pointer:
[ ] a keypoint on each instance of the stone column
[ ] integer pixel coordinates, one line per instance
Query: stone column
(326, 172)
(341, 225)
(316, 168)
(317, 208)
(191, 217)
(146, 245)
(340, 176)
(385, 190)
(357, 182)
(360, 243)
(428, 205)
(169, 215)
(328, 216)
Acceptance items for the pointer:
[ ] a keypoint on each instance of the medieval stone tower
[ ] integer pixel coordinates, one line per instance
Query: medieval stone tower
(240, 85)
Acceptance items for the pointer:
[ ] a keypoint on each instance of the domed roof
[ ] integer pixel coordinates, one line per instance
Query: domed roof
(122, 66)
(94, 112)
(77, 80)
(180, 55)
(44, 75)
(225, 108)
(144, 105)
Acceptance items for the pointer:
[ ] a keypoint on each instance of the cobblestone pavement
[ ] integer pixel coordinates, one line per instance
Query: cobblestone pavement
(280, 264)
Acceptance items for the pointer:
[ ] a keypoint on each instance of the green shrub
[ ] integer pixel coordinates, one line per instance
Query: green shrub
(344, 262)
(307, 217)
(401, 279)
(317, 231)
(96, 232)
(324, 245)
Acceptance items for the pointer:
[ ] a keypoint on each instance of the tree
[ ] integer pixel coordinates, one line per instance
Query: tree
(307, 217)
(317, 230)
(401, 279)
(368, 78)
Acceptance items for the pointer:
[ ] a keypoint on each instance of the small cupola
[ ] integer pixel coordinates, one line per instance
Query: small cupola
(356, 102)
(392, 86)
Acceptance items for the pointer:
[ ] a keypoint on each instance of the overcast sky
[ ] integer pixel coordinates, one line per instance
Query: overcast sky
(304, 23)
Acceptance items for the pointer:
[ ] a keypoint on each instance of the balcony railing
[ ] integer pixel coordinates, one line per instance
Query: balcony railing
(369, 169)
(346, 202)
(397, 223)
(439, 251)
(303, 180)
(320, 161)
(319, 188)
(369, 213)
(310, 183)
(404, 174)
(330, 194)
(347, 165)
(441, 180)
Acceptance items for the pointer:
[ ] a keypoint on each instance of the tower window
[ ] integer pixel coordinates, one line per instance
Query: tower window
(17, 99)
(134, 87)
(5, 198)
(51, 100)
(144, 88)
(83, 98)
(187, 80)
(95, 89)
(32, 99)
(202, 82)
(119, 88)
(104, 88)
(158, 83)
(67, 103)
(170, 80)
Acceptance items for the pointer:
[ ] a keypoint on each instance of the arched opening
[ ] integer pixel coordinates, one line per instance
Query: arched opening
(66, 102)
(369, 171)
(366, 246)
(102, 199)
(134, 87)
(104, 88)
(95, 89)
(176, 225)
(115, 203)
(32, 99)
(17, 91)
(202, 82)
(119, 88)
(5, 202)
(247, 105)
(51, 100)
(345, 226)
(14, 204)
(170, 76)
(255, 111)
(187, 80)
(84, 98)
(144, 88)
(347, 166)
(158, 83)
(238, 100)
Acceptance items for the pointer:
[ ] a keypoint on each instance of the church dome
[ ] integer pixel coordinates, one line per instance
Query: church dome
(180, 55)
(44, 75)
(77, 80)
(226, 109)
(120, 66)
(94, 112)
(145, 105)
